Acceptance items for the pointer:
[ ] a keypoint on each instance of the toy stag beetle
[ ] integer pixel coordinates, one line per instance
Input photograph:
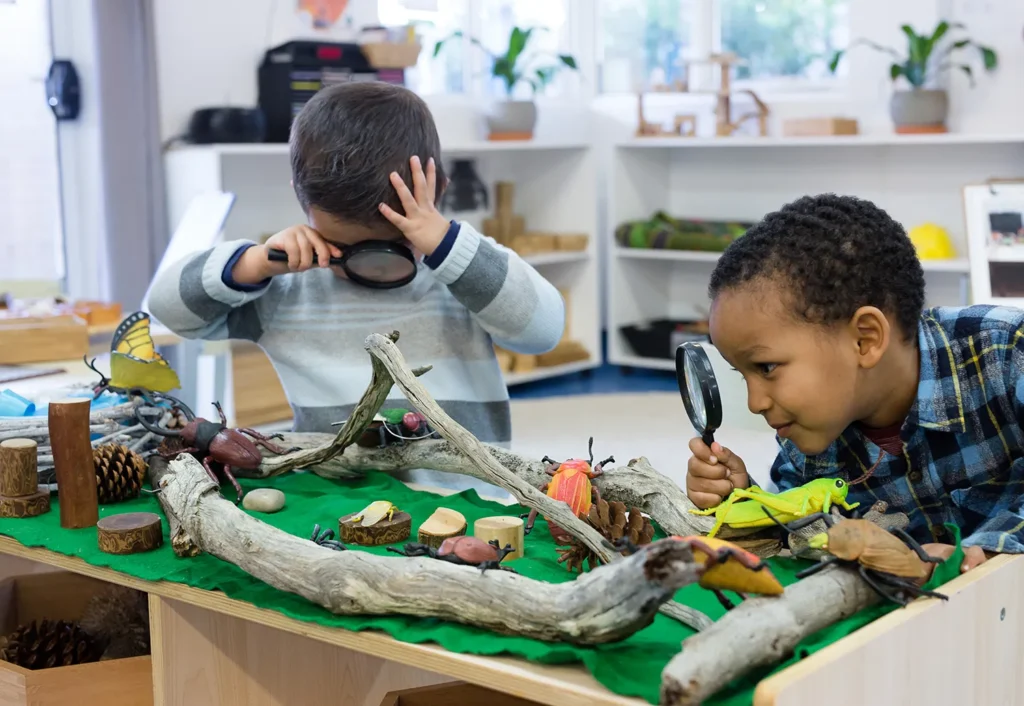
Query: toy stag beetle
(746, 507)
(570, 483)
(213, 442)
(891, 562)
(464, 550)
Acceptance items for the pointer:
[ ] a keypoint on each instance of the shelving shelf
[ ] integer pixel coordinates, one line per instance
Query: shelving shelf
(467, 148)
(957, 265)
(881, 140)
(552, 371)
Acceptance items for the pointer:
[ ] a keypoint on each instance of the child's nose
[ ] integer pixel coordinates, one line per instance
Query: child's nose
(758, 402)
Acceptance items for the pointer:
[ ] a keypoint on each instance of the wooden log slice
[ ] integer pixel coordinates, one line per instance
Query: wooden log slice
(504, 528)
(130, 533)
(18, 468)
(31, 505)
(444, 523)
(397, 529)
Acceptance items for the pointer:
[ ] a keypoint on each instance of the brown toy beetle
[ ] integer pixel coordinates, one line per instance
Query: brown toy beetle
(210, 441)
(467, 551)
(891, 562)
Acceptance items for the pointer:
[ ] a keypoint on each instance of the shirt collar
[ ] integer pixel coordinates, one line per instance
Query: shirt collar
(939, 404)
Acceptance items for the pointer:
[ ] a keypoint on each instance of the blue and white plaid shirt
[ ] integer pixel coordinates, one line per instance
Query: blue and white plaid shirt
(963, 446)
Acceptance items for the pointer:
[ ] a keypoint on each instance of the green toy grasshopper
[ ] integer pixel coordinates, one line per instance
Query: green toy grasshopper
(817, 496)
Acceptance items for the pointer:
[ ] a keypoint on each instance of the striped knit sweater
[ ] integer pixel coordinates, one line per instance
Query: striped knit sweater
(468, 295)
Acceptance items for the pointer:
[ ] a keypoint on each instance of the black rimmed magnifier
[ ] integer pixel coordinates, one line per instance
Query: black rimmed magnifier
(378, 264)
(699, 389)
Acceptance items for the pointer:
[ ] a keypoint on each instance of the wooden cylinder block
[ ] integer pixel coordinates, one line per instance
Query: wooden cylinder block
(444, 523)
(129, 533)
(72, 461)
(504, 528)
(36, 503)
(18, 468)
(397, 529)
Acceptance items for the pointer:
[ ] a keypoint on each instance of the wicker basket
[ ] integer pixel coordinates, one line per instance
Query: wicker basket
(391, 55)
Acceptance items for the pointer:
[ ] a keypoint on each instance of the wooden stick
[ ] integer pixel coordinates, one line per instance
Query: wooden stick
(18, 475)
(605, 605)
(72, 456)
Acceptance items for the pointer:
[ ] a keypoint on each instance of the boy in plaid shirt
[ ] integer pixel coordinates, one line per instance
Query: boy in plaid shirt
(820, 308)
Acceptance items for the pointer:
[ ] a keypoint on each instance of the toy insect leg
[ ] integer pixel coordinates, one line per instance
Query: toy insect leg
(189, 450)
(624, 545)
(531, 517)
(802, 522)
(599, 468)
(231, 477)
(918, 549)
(889, 595)
(326, 539)
(265, 442)
(491, 565)
(723, 599)
(775, 502)
(502, 552)
(415, 549)
(828, 561)
(907, 586)
(220, 411)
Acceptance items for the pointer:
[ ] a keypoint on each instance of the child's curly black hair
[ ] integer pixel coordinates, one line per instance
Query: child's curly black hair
(835, 254)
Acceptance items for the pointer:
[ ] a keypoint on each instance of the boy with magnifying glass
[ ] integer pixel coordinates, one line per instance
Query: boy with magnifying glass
(820, 307)
(374, 256)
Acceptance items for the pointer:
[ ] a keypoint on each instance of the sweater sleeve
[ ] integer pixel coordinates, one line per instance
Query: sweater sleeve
(521, 310)
(196, 297)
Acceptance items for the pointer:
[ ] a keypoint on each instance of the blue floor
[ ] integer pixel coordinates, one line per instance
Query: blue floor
(607, 379)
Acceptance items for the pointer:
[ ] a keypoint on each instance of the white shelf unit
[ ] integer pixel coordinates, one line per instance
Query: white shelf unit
(556, 191)
(917, 179)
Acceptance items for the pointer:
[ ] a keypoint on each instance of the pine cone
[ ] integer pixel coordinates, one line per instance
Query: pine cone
(613, 522)
(119, 473)
(49, 644)
(118, 619)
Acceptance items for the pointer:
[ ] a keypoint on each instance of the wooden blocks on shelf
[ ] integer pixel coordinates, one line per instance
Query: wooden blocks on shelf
(818, 127)
(507, 529)
(42, 339)
(441, 525)
(130, 533)
(73, 462)
(564, 353)
(20, 495)
(505, 226)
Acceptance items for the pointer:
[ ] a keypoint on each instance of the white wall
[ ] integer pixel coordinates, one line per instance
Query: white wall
(208, 51)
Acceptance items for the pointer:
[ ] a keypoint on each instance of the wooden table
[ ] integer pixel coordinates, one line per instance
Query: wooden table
(211, 649)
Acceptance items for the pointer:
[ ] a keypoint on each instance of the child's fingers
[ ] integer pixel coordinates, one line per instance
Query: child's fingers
(704, 500)
(431, 180)
(973, 557)
(397, 219)
(419, 182)
(701, 450)
(404, 195)
(305, 252)
(323, 252)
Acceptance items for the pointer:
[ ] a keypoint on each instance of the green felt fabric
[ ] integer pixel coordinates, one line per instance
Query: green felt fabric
(632, 667)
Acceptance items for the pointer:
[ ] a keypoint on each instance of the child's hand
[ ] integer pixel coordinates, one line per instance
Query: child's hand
(973, 556)
(712, 473)
(422, 225)
(300, 242)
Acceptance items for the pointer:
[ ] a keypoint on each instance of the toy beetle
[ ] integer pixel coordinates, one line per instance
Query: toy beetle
(464, 550)
(571, 484)
(394, 426)
(747, 507)
(891, 562)
(213, 442)
(727, 567)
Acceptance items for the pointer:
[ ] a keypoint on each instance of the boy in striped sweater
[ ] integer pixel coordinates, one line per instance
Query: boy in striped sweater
(354, 149)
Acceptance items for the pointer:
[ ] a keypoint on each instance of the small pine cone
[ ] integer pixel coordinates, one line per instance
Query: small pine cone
(49, 644)
(119, 473)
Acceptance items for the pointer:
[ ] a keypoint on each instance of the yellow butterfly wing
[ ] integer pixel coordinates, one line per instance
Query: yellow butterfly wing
(134, 362)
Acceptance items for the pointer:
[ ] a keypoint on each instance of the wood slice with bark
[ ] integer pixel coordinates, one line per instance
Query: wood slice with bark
(130, 533)
(382, 532)
(31, 505)
(441, 525)
(18, 474)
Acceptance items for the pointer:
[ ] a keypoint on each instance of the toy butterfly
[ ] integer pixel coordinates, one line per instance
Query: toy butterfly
(135, 366)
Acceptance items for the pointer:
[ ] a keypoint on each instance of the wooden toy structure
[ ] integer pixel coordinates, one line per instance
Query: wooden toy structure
(684, 125)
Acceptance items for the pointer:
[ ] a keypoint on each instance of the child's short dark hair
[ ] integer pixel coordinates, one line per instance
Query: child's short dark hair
(347, 140)
(835, 254)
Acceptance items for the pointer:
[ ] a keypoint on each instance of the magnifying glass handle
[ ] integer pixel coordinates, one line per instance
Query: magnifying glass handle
(276, 255)
(708, 438)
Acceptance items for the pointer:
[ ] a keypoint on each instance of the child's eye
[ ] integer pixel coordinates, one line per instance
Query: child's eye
(766, 369)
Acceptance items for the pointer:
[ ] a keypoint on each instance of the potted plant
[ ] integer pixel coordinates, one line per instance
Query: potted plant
(515, 119)
(923, 108)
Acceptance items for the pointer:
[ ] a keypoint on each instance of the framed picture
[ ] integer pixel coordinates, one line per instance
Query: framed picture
(994, 214)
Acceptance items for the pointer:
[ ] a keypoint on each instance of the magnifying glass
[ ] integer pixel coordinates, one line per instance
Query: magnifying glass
(699, 389)
(378, 264)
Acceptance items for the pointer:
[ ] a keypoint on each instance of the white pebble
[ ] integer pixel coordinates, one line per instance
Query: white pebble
(263, 500)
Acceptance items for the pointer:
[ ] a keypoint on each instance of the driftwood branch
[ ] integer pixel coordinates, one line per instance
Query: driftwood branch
(605, 605)
(159, 476)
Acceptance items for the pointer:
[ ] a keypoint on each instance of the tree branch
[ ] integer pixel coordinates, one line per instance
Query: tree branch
(605, 605)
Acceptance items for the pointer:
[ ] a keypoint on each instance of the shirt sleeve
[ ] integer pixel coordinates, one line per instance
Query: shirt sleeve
(1003, 531)
(521, 310)
(197, 297)
(787, 471)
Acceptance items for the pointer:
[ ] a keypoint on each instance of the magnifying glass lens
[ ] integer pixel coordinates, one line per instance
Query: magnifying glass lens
(696, 394)
(383, 267)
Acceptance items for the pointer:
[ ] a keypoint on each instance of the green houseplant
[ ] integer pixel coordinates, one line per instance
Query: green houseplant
(923, 108)
(512, 119)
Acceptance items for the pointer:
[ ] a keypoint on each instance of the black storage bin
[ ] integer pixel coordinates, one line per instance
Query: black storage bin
(660, 338)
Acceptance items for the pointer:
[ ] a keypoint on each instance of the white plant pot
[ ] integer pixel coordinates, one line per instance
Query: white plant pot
(512, 120)
(919, 110)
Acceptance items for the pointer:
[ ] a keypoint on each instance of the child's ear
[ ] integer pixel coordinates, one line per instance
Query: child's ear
(872, 334)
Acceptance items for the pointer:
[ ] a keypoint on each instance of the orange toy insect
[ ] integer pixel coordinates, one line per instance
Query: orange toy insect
(570, 483)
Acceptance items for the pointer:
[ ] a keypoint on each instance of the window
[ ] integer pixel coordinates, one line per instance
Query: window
(647, 43)
(463, 68)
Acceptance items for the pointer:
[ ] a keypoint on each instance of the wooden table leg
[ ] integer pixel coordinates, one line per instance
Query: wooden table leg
(201, 658)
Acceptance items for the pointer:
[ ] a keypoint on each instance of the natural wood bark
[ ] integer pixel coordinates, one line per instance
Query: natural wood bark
(507, 530)
(72, 456)
(130, 533)
(386, 531)
(18, 474)
(606, 605)
(761, 632)
(32, 505)
(181, 542)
